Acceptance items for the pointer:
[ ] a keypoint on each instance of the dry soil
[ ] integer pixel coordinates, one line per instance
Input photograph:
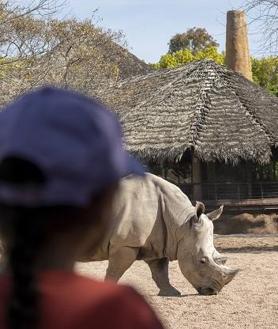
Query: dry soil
(249, 301)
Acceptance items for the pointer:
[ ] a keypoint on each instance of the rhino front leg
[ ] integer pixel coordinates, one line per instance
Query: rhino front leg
(119, 261)
(159, 269)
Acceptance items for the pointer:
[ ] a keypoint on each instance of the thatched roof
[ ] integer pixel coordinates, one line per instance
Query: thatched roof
(201, 106)
(129, 65)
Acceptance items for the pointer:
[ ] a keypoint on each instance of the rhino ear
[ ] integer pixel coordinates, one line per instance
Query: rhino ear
(215, 214)
(200, 208)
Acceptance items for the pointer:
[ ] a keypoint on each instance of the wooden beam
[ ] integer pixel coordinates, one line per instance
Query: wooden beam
(196, 178)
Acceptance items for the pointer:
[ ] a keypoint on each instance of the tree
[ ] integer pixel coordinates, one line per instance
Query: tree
(265, 13)
(40, 50)
(21, 43)
(80, 59)
(20, 32)
(194, 39)
(185, 56)
(265, 73)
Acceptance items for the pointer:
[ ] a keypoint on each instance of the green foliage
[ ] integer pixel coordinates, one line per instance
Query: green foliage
(210, 53)
(185, 56)
(195, 39)
(265, 73)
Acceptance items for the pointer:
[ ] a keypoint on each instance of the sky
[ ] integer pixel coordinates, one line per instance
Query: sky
(148, 25)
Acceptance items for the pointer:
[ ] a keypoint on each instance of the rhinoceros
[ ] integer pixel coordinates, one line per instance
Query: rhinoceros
(155, 221)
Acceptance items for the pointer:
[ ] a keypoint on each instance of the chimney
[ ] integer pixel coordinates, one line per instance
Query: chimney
(237, 48)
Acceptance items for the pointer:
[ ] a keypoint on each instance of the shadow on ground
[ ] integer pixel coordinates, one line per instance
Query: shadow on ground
(252, 249)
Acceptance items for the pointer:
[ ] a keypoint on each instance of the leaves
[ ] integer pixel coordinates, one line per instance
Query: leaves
(265, 73)
(195, 39)
(185, 56)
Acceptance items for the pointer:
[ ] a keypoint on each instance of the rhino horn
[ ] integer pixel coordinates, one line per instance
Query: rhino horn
(229, 273)
(215, 214)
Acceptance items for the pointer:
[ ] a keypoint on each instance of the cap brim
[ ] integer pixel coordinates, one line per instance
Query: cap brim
(134, 167)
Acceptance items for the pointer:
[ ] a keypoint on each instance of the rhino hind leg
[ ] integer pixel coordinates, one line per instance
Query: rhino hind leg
(159, 269)
(119, 261)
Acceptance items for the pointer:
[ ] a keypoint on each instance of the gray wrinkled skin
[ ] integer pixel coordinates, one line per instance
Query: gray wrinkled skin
(199, 261)
(154, 221)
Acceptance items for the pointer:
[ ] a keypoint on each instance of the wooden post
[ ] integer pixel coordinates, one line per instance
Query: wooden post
(162, 170)
(196, 178)
(248, 170)
(238, 191)
(261, 188)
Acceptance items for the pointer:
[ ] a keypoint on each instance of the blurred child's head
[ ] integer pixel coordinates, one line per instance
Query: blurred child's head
(61, 157)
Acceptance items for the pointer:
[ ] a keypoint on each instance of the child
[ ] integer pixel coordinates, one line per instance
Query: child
(61, 157)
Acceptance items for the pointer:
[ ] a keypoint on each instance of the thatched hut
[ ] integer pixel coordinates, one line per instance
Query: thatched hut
(128, 64)
(209, 129)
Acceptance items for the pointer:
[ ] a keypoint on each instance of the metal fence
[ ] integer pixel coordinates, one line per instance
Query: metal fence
(233, 191)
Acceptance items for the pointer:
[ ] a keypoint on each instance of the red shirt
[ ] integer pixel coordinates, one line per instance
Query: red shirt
(70, 301)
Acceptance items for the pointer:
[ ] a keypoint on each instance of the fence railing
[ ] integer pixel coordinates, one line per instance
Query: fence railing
(233, 191)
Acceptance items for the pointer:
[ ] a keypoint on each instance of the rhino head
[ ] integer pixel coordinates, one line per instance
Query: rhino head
(199, 261)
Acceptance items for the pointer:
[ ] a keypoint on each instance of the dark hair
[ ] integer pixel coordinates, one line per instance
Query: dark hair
(25, 231)
(27, 238)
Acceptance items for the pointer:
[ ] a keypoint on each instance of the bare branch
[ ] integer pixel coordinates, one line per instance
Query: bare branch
(42, 50)
(265, 12)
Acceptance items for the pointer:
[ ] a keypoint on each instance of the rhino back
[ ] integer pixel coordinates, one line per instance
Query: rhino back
(136, 209)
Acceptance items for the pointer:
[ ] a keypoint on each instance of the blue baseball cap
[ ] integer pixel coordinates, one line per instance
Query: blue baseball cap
(74, 140)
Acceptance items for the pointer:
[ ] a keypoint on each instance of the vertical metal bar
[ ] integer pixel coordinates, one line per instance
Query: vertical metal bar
(238, 192)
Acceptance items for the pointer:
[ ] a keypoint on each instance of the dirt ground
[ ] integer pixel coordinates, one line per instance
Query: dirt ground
(249, 301)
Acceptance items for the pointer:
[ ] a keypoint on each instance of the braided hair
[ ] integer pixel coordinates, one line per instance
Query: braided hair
(24, 233)
(23, 311)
